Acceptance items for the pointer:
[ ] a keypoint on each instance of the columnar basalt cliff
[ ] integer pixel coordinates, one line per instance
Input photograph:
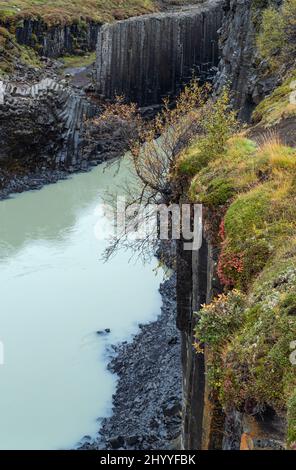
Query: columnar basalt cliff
(205, 425)
(149, 57)
(240, 65)
(42, 122)
(203, 421)
(146, 58)
(55, 41)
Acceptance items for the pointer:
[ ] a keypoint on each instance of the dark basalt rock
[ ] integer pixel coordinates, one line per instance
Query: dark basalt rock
(116, 442)
(240, 65)
(42, 121)
(55, 41)
(146, 58)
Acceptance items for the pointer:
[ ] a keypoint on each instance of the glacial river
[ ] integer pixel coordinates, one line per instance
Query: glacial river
(55, 294)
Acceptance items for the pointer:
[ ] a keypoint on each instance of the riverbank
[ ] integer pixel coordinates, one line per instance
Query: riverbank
(12, 183)
(53, 144)
(147, 401)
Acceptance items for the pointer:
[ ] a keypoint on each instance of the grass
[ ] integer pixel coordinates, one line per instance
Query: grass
(68, 11)
(78, 61)
(10, 51)
(249, 193)
(279, 105)
(58, 12)
(276, 36)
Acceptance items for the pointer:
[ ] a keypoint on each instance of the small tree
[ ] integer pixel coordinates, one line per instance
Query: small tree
(158, 145)
(219, 123)
(276, 41)
(114, 129)
(154, 153)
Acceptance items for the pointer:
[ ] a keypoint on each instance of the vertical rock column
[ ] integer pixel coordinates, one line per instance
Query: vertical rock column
(148, 57)
(202, 417)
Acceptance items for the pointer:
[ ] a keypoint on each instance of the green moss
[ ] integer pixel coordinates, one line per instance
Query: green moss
(218, 192)
(247, 215)
(278, 105)
(192, 161)
(218, 123)
(292, 421)
(69, 11)
(78, 61)
(250, 359)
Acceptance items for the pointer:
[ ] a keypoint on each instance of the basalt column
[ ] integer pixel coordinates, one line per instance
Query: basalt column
(148, 57)
(202, 417)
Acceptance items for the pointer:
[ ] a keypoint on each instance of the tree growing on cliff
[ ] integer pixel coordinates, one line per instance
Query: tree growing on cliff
(113, 129)
(276, 40)
(153, 154)
(155, 151)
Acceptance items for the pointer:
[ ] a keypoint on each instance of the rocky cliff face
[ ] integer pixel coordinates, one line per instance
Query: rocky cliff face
(149, 57)
(41, 123)
(240, 65)
(203, 420)
(55, 41)
(204, 424)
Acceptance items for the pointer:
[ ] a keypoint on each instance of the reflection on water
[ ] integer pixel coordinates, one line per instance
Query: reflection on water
(55, 293)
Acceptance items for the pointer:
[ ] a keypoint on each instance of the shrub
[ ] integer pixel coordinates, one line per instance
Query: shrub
(216, 323)
(116, 127)
(219, 319)
(217, 123)
(277, 38)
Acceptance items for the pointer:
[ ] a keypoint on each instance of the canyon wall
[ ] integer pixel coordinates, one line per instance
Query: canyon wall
(152, 56)
(205, 426)
(55, 41)
(41, 123)
(203, 420)
(240, 65)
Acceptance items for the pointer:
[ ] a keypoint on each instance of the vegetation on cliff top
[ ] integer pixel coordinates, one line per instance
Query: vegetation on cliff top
(249, 194)
(276, 40)
(10, 51)
(248, 190)
(68, 11)
(281, 104)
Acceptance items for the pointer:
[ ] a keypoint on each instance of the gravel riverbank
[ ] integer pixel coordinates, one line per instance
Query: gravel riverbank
(147, 402)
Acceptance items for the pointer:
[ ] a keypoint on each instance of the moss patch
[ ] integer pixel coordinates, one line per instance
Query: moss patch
(276, 37)
(279, 105)
(78, 61)
(249, 338)
(251, 189)
(10, 51)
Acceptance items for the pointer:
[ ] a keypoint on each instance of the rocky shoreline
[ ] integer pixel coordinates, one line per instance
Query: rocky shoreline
(147, 401)
(11, 184)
